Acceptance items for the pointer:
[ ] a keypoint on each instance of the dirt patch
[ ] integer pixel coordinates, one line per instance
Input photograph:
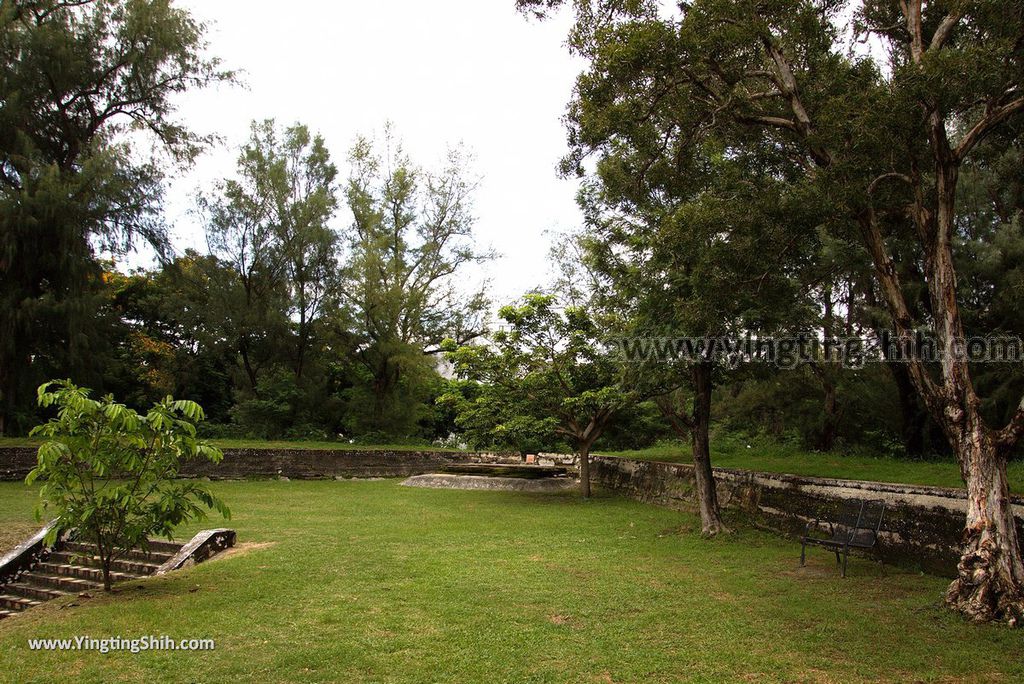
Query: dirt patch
(564, 621)
(242, 549)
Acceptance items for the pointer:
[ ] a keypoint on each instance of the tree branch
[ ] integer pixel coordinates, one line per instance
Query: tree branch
(898, 176)
(889, 280)
(775, 121)
(1009, 436)
(992, 118)
(946, 27)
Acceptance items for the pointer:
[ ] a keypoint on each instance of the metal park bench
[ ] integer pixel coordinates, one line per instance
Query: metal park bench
(856, 527)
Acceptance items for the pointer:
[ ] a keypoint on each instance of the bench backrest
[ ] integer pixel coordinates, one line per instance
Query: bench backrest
(860, 520)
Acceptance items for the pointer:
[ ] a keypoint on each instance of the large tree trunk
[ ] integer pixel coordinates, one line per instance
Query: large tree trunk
(825, 372)
(830, 409)
(914, 418)
(990, 581)
(707, 495)
(990, 575)
(584, 453)
(990, 585)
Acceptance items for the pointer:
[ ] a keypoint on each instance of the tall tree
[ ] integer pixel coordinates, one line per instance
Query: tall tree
(271, 225)
(702, 256)
(305, 197)
(883, 134)
(86, 86)
(410, 239)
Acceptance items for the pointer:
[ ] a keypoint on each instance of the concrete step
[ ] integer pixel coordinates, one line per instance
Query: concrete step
(158, 552)
(74, 567)
(59, 582)
(130, 567)
(30, 592)
(16, 603)
(81, 572)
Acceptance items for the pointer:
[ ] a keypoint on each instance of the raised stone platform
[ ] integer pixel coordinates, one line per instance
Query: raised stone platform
(530, 472)
(508, 484)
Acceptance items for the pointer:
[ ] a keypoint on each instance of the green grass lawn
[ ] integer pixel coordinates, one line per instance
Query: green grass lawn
(368, 581)
(730, 451)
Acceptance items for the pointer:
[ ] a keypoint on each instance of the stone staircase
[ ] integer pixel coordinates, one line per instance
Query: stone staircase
(72, 567)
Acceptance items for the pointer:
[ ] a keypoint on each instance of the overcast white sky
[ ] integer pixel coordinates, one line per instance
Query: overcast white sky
(444, 72)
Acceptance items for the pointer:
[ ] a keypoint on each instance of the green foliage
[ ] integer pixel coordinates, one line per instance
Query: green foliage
(110, 474)
(410, 239)
(87, 128)
(548, 374)
(269, 225)
(169, 334)
(487, 420)
(272, 409)
(779, 403)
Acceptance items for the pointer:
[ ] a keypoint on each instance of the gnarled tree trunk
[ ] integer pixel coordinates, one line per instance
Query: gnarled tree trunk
(990, 575)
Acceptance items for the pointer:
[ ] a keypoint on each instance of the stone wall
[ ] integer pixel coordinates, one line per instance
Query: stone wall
(16, 462)
(922, 526)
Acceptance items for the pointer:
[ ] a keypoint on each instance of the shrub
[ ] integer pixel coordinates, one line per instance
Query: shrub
(110, 474)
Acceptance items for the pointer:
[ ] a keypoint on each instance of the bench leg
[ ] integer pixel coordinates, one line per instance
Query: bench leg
(803, 553)
(846, 556)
